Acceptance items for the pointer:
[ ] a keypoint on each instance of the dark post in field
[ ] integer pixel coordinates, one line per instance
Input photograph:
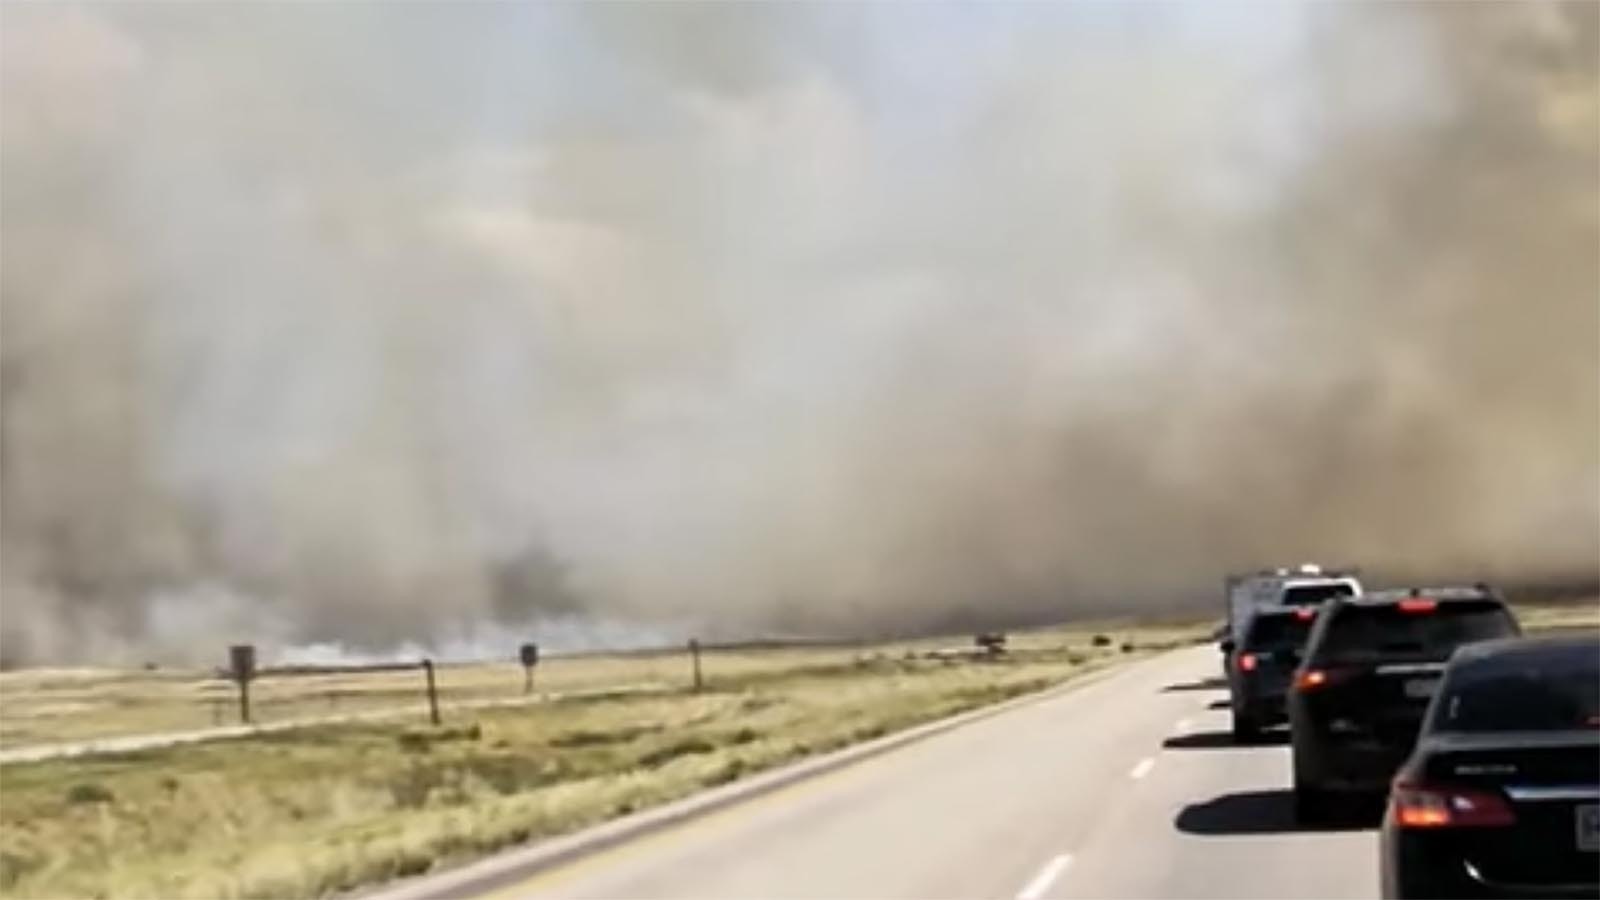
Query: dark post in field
(433, 692)
(529, 654)
(992, 643)
(242, 660)
(694, 653)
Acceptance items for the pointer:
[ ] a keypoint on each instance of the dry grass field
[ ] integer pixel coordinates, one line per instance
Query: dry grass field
(1541, 617)
(49, 706)
(316, 810)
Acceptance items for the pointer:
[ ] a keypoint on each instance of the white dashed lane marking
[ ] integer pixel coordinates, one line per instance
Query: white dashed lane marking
(1046, 877)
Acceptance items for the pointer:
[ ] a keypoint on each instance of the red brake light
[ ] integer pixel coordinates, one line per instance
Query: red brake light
(1247, 662)
(1419, 605)
(1306, 613)
(1421, 812)
(1439, 806)
(1310, 679)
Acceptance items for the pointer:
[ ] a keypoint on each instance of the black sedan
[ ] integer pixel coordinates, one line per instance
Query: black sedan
(1501, 797)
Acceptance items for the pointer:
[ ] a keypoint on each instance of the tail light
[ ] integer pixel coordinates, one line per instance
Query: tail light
(1306, 613)
(1247, 662)
(1444, 806)
(1418, 605)
(1311, 679)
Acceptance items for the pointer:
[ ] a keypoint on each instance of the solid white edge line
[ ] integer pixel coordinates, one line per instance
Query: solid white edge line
(1143, 768)
(1046, 877)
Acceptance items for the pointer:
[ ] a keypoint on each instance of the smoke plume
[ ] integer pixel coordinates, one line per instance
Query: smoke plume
(381, 326)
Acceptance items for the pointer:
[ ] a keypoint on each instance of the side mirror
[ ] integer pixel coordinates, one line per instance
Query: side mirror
(1227, 645)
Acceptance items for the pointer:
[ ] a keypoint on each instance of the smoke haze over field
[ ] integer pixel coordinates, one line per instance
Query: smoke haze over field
(391, 324)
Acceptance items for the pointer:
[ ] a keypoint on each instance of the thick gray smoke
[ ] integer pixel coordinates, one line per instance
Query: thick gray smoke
(383, 324)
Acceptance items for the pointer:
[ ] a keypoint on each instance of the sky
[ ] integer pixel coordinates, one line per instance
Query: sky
(370, 326)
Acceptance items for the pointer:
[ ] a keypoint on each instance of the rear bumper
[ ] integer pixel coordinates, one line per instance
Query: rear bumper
(1347, 766)
(1435, 865)
(1263, 698)
(1492, 888)
(1264, 709)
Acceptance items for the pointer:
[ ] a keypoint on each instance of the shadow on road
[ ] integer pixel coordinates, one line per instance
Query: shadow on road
(1223, 740)
(1264, 812)
(1219, 704)
(1209, 684)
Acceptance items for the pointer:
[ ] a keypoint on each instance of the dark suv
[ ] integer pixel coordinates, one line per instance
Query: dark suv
(1371, 665)
(1501, 797)
(1262, 667)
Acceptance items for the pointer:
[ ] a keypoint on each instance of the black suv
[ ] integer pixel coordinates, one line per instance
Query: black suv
(1262, 666)
(1501, 797)
(1371, 665)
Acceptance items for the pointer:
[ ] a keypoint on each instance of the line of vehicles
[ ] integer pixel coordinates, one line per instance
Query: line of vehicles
(1485, 743)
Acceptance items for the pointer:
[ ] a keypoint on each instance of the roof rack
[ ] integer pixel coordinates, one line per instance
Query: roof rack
(1305, 570)
(1461, 591)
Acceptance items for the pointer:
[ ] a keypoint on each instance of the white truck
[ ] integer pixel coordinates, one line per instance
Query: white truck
(1305, 585)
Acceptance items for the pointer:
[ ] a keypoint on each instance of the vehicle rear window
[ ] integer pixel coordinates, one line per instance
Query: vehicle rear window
(1373, 631)
(1554, 695)
(1277, 632)
(1314, 594)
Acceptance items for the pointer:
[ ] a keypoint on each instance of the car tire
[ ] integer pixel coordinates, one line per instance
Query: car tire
(1311, 805)
(1246, 730)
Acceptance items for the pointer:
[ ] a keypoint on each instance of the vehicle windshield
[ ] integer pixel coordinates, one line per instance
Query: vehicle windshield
(1364, 632)
(1278, 633)
(1314, 594)
(1553, 695)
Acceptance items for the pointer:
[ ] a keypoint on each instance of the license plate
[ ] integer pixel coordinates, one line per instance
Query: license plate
(1589, 827)
(1421, 688)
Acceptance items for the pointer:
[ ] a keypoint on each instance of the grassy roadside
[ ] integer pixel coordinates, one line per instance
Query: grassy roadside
(48, 706)
(315, 811)
(1537, 618)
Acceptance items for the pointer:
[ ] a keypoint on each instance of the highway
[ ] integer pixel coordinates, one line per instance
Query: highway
(1125, 787)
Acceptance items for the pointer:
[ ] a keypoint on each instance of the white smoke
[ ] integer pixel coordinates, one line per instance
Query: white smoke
(367, 325)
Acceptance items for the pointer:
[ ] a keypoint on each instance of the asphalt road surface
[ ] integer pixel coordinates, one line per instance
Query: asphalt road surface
(1126, 787)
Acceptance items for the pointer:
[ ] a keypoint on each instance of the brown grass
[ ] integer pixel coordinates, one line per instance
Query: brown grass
(318, 810)
(47, 706)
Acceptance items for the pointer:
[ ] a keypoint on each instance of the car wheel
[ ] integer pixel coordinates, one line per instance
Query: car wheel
(1245, 729)
(1311, 806)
